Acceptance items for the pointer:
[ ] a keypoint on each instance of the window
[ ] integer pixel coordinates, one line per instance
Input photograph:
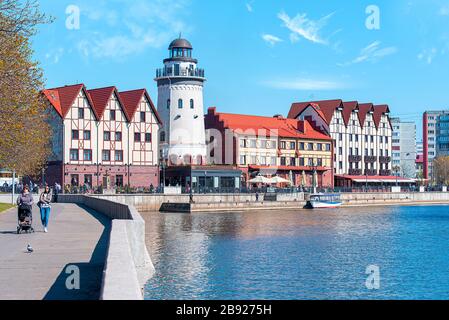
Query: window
(88, 180)
(180, 104)
(292, 146)
(243, 159)
(340, 151)
(310, 146)
(301, 146)
(366, 152)
(253, 143)
(107, 136)
(137, 137)
(118, 155)
(356, 138)
(87, 155)
(242, 143)
(75, 134)
(386, 139)
(372, 139)
(311, 162)
(372, 152)
(283, 145)
(112, 115)
(328, 147)
(319, 146)
(301, 162)
(340, 165)
(293, 162)
(273, 161)
(283, 161)
(340, 137)
(86, 134)
(74, 155)
(366, 139)
(192, 104)
(162, 136)
(106, 155)
(118, 136)
(319, 162)
(168, 103)
(147, 137)
(381, 139)
(80, 113)
(142, 117)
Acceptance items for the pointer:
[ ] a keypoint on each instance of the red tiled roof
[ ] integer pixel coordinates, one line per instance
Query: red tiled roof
(62, 98)
(378, 112)
(131, 100)
(100, 98)
(348, 108)
(288, 128)
(328, 108)
(364, 108)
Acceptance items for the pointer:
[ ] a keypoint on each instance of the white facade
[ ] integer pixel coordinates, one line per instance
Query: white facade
(180, 106)
(361, 146)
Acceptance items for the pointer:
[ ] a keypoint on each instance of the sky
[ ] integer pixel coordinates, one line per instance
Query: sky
(260, 56)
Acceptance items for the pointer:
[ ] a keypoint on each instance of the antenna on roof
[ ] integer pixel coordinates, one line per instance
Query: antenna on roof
(180, 34)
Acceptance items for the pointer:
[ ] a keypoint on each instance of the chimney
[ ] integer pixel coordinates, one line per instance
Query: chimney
(212, 111)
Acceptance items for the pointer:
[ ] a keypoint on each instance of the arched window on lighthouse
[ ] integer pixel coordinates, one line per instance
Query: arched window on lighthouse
(180, 104)
(192, 104)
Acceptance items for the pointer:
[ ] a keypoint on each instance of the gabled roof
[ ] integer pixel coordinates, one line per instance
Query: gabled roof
(287, 128)
(131, 100)
(100, 98)
(348, 108)
(364, 109)
(62, 98)
(378, 112)
(328, 108)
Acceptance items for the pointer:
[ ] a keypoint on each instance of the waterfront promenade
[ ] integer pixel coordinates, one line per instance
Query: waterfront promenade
(77, 237)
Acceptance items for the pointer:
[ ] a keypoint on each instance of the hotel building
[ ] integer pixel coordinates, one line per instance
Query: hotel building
(362, 135)
(292, 149)
(102, 137)
(435, 139)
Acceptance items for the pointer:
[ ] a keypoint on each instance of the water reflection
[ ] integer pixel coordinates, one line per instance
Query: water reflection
(299, 254)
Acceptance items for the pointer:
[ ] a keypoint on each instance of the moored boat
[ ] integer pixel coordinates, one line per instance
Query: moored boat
(324, 201)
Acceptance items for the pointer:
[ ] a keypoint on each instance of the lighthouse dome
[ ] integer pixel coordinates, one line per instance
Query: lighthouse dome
(180, 44)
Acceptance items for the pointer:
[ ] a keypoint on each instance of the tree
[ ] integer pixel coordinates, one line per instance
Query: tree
(441, 170)
(24, 133)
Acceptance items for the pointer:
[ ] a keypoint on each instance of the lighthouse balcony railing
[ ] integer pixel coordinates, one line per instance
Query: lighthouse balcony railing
(167, 72)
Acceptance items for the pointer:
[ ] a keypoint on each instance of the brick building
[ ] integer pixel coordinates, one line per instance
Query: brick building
(292, 149)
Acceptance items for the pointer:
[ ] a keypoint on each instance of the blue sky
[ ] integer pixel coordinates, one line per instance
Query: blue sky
(259, 55)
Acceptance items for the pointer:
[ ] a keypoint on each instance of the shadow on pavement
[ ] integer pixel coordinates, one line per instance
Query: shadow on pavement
(90, 274)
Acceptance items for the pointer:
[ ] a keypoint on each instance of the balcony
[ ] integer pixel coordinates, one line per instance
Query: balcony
(384, 159)
(172, 72)
(370, 172)
(355, 158)
(385, 173)
(370, 159)
(355, 172)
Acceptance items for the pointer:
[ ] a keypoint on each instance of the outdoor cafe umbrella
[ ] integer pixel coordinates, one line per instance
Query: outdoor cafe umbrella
(277, 179)
(303, 179)
(260, 179)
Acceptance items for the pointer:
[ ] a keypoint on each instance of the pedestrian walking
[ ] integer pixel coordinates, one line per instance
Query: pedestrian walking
(45, 207)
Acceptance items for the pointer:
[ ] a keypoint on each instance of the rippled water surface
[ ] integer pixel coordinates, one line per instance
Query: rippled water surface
(300, 254)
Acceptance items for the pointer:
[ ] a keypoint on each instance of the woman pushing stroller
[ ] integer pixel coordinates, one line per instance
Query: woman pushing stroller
(25, 205)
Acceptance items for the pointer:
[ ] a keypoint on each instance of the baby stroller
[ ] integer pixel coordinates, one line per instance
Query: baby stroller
(25, 219)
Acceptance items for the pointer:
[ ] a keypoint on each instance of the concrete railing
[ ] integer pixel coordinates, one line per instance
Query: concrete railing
(128, 265)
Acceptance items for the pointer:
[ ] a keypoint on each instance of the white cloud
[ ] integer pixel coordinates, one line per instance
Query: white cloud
(301, 26)
(428, 55)
(305, 84)
(270, 39)
(372, 53)
(142, 25)
(444, 10)
(55, 55)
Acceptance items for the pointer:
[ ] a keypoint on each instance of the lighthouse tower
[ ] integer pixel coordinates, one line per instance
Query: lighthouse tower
(180, 104)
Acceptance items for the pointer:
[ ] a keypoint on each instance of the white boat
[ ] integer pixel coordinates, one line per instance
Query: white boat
(324, 201)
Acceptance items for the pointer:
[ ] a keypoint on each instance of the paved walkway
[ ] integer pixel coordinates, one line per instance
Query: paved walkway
(77, 237)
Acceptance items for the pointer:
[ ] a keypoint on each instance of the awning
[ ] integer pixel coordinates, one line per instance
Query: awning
(376, 179)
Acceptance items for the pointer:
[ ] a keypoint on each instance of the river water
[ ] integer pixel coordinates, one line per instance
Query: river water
(301, 254)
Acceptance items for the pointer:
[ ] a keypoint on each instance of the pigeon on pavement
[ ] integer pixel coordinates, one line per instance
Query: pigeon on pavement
(29, 248)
